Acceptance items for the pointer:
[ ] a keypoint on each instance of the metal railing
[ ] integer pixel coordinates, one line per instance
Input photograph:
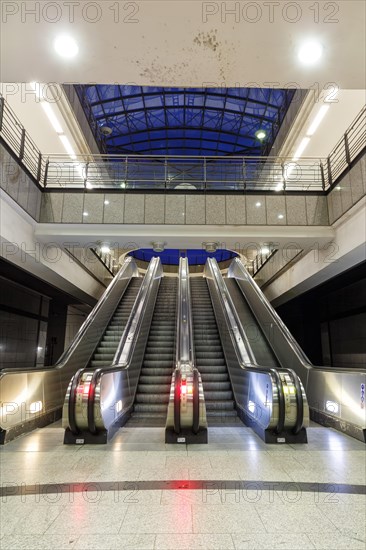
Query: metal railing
(260, 260)
(347, 149)
(108, 260)
(179, 173)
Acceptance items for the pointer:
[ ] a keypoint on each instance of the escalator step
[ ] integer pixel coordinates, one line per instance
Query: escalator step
(210, 359)
(153, 389)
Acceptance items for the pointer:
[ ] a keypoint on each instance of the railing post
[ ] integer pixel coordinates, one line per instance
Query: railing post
(322, 175)
(166, 173)
(22, 144)
(330, 179)
(86, 174)
(46, 172)
(283, 176)
(204, 173)
(346, 147)
(39, 168)
(126, 170)
(2, 107)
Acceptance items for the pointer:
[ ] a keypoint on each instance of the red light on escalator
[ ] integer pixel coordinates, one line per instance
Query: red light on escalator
(184, 387)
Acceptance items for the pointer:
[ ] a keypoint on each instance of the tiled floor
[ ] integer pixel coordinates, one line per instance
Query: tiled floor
(136, 492)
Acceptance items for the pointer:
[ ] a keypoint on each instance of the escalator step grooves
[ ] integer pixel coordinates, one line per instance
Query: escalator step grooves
(107, 347)
(152, 395)
(210, 359)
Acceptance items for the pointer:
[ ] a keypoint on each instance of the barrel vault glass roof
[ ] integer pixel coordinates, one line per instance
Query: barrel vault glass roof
(184, 121)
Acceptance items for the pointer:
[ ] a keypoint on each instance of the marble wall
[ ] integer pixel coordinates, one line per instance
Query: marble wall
(18, 185)
(193, 209)
(348, 191)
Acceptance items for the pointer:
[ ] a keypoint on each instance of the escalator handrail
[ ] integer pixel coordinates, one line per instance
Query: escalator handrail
(128, 338)
(91, 401)
(281, 402)
(185, 347)
(196, 402)
(75, 381)
(299, 401)
(185, 342)
(247, 360)
(177, 389)
(132, 328)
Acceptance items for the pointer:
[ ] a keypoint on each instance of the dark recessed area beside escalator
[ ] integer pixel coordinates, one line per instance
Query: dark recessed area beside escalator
(329, 321)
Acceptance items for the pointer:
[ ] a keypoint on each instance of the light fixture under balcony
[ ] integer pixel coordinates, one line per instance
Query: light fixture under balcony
(105, 248)
(210, 247)
(158, 246)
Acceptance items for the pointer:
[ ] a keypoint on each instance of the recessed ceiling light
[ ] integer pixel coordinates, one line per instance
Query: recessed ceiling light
(301, 148)
(310, 53)
(260, 134)
(52, 117)
(317, 120)
(258, 204)
(265, 250)
(105, 249)
(67, 145)
(66, 46)
(106, 202)
(280, 216)
(85, 213)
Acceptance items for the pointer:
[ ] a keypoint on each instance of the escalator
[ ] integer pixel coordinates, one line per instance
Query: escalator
(210, 359)
(152, 395)
(92, 346)
(106, 349)
(331, 393)
(258, 342)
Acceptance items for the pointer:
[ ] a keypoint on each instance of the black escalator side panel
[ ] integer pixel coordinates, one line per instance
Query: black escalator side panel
(262, 351)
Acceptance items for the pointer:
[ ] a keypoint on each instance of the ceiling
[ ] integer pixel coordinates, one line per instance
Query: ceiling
(185, 43)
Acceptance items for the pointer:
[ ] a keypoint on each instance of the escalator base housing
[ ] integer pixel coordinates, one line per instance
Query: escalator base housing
(270, 436)
(84, 437)
(186, 436)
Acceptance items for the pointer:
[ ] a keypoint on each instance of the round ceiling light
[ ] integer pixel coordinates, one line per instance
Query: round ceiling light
(106, 130)
(310, 53)
(66, 46)
(260, 134)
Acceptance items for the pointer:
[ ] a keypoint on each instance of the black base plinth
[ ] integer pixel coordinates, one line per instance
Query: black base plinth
(84, 437)
(270, 436)
(186, 436)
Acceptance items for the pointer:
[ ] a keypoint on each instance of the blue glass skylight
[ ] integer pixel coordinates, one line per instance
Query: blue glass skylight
(184, 121)
(171, 256)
